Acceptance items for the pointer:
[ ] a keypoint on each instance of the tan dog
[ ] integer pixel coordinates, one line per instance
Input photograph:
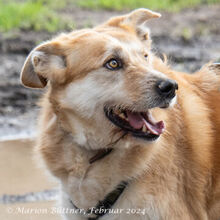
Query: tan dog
(105, 124)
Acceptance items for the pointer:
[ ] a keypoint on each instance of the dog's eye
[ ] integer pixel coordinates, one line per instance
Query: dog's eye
(113, 64)
(145, 56)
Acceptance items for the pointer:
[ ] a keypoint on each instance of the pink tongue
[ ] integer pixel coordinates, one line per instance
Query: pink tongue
(137, 121)
(157, 128)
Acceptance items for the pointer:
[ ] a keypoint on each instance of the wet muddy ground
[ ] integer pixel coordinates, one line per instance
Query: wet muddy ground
(189, 38)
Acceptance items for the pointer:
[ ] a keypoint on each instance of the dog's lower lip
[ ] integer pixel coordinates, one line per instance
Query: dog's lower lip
(164, 106)
(123, 123)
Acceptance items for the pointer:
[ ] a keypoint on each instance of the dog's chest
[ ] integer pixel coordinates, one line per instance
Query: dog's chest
(128, 206)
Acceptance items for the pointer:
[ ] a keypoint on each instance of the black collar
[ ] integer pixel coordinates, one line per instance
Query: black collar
(103, 207)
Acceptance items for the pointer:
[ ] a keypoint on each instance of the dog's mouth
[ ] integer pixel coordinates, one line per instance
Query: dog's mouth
(139, 124)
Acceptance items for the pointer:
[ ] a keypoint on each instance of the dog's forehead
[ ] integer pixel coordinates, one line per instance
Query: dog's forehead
(127, 42)
(106, 40)
(88, 50)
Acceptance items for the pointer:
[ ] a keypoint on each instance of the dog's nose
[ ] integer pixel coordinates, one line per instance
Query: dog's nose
(166, 88)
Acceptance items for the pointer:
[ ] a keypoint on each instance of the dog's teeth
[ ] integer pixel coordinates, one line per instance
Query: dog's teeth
(144, 129)
(122, 115)
(117, 112)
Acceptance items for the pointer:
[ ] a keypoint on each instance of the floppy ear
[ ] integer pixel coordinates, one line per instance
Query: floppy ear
(41, 65)
(135, 20)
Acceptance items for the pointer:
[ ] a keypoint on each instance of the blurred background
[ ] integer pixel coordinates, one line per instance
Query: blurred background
(188, 33)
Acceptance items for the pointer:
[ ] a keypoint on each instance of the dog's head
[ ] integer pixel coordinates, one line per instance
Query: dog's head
(103, 81)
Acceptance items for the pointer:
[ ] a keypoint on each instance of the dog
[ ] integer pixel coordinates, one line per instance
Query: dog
(126, 136)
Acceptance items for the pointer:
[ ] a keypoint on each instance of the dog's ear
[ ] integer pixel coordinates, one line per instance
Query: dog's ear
(42, 64)
(214, 67)
(135, 21)
(208, 77)
(140, 16)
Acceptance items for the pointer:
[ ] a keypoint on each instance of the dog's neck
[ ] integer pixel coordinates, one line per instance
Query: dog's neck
(100, 154)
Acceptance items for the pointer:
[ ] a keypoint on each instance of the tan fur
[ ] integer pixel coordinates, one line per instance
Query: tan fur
(176, 177)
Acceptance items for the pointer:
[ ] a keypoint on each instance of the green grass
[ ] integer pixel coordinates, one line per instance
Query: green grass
(30, 14)
(168, 5)
(40, 15)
